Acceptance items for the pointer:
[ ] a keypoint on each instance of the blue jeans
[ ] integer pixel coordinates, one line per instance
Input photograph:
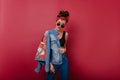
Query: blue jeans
(62, 68)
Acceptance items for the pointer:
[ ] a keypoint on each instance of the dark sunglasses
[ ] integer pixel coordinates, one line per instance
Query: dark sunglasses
(61, 25)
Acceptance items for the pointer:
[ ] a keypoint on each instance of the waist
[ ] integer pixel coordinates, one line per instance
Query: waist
(57, 58)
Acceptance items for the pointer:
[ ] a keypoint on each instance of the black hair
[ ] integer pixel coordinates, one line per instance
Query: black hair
(63, 13)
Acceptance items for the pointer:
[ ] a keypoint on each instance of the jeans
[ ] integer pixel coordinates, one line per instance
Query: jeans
(62, 68)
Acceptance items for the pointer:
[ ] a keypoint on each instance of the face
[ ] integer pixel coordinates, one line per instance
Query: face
(60, 24)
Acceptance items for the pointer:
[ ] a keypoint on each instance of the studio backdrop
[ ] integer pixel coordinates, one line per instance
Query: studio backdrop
(93, 47)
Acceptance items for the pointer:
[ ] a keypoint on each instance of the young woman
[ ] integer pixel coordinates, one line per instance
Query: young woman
(56, 48)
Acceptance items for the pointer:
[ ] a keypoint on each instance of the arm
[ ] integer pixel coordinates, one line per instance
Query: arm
(48, 65)
(47, 60)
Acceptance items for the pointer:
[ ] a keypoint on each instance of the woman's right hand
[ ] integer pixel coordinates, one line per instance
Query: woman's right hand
(52, 70)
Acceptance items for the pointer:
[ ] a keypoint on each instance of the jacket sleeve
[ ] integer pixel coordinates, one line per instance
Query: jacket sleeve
(47, 60)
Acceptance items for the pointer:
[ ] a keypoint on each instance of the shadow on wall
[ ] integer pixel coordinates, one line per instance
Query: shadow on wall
(74, 30)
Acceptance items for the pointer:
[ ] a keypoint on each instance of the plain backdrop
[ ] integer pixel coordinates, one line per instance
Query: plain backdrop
(93, 48)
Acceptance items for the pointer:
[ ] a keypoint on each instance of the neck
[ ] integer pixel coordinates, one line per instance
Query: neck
(59, 31)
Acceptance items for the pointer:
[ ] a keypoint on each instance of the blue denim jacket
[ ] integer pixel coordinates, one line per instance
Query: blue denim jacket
(53, 54)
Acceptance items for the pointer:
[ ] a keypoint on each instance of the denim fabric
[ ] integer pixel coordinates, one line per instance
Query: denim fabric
(52, 49)
(63, 68)
(47, 59)
(56, 56)
(53, 54)
(37, 69)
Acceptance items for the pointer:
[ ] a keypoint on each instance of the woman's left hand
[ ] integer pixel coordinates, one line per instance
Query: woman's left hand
(62, 50)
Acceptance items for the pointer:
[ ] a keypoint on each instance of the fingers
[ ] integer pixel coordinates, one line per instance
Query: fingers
(52, 70)
(62, 50)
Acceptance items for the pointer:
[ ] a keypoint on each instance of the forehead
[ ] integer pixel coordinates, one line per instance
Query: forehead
(62, 21)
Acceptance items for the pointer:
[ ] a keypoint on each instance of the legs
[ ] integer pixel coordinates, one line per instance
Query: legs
(51, 76)
(64, 69)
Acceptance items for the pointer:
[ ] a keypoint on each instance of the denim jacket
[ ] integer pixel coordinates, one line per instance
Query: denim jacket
(53, 54)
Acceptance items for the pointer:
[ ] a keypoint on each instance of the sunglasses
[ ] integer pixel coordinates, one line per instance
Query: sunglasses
(60, 24)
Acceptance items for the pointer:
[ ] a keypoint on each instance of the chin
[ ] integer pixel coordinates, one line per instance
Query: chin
(58, 28)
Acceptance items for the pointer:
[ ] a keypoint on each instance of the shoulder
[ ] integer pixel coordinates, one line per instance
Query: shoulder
(49, 31)
(46, 33)
(66, 33)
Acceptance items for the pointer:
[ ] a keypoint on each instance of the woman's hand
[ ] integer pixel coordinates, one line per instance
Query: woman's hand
(62, 50)
(52, 70)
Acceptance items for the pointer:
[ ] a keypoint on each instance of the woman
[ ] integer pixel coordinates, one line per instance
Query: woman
(56, 48)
